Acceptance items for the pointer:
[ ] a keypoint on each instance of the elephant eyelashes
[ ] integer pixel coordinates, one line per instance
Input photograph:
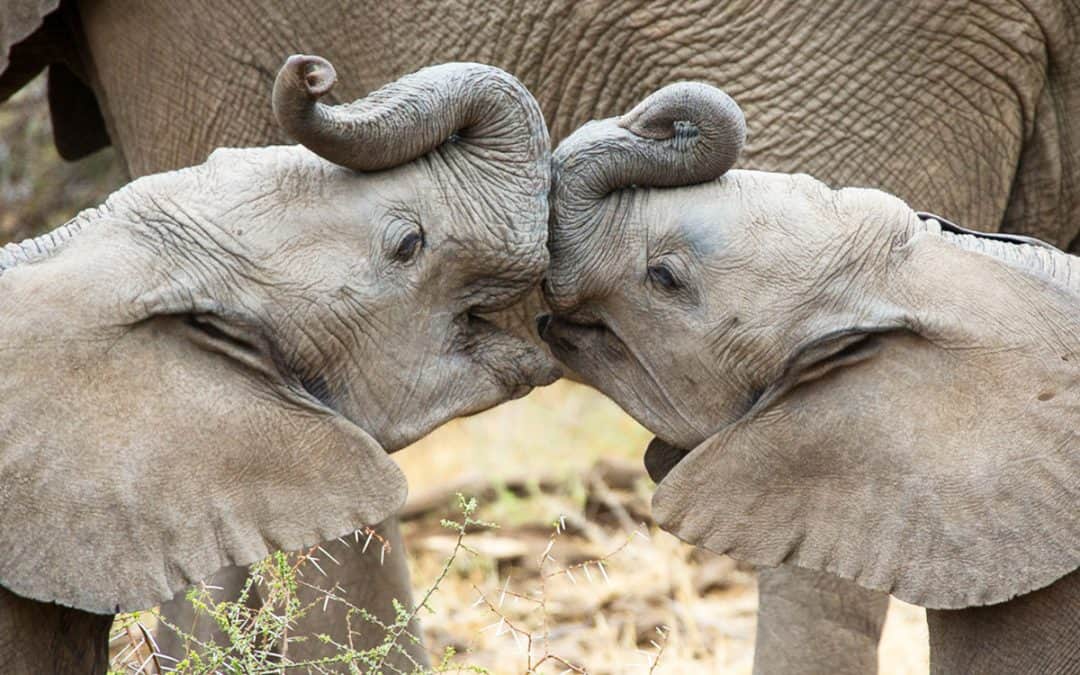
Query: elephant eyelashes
(318, 388)
(409, 246)
(663, 277)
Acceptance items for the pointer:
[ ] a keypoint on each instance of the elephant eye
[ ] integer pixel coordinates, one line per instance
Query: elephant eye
(409, 246)
(663, 276)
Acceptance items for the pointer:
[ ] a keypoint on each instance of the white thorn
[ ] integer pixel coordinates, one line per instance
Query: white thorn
(551, 542)
(517, 638)
(327, 554)
(143, 664)
(502, 596)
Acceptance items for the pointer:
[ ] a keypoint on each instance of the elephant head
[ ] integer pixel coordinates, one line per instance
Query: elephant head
(218, 359)
(837, 384)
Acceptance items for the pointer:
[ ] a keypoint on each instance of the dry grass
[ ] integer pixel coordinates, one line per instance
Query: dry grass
(707, 602)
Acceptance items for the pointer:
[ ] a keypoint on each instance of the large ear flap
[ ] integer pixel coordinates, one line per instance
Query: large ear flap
(944, 467)
(18, 21)
(134, 462)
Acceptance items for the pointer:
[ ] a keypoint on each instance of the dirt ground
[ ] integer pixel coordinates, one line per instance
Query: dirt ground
(589, 451)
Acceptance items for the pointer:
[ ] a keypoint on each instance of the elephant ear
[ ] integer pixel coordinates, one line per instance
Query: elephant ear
(134, 461)
(18, 20)
(938, 462)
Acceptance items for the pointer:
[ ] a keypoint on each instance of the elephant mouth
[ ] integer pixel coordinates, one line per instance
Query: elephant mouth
(516, 363)
(581, 343)
(567, 338)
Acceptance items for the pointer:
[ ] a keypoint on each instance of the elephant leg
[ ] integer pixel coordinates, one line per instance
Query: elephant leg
(361, 580)
(41, 637)
(1035, 633)
(365, 579)
(809, 622)
(226, 584)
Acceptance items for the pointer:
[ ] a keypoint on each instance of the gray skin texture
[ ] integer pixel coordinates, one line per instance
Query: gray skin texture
(958, 107)
(848, 646)
(862, 393)
(218, 360)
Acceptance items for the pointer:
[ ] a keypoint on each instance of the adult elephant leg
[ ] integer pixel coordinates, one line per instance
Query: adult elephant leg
(180, 614)
(368, 579)
(42, 637)
(1035, 633)
(809, 622)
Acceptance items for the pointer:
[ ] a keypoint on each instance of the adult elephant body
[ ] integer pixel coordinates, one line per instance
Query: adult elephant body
(959, 108)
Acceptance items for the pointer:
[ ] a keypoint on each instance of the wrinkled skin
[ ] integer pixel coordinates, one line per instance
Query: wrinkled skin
(957, 107)
(218, 360)
(691, 305)
(838, 384)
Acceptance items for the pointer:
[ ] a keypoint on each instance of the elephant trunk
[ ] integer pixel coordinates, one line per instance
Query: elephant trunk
(410, 117)
(683, 134)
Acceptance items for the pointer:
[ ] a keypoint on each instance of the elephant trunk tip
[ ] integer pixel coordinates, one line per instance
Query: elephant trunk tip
(683, 134)
(300, 82)
(313, 76)
(692, 109)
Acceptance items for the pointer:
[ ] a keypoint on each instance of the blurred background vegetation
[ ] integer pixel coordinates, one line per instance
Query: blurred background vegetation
(564, 451)
(38, 190)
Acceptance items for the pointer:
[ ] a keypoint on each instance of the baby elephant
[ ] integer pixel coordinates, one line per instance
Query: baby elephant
(861, 391)
(218, 360)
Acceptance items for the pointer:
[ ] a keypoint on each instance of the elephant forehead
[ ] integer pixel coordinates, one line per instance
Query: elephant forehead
(592, 252)
(503, 243)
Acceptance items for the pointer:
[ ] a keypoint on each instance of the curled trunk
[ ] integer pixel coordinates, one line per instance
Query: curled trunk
(410, 117)
(683, 134)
